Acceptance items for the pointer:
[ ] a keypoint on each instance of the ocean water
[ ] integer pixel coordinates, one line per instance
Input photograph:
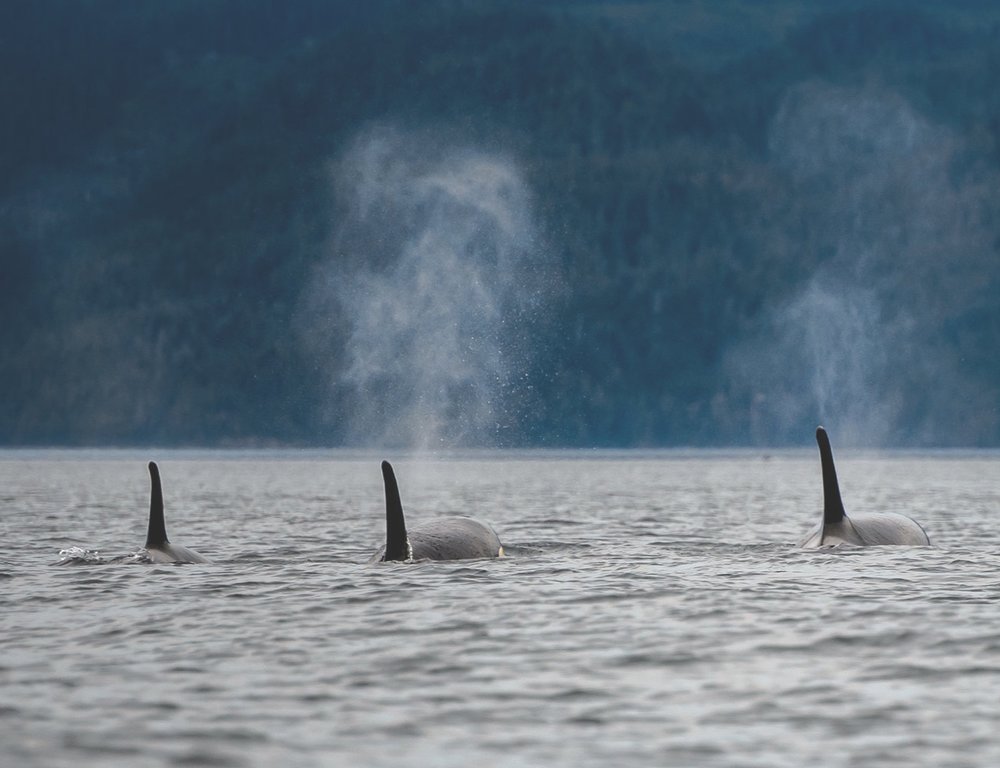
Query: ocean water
(653, 609)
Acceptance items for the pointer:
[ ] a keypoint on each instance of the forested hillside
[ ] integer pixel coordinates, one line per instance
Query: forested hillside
(247, 222)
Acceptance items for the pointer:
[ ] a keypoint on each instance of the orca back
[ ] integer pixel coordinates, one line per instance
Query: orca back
(158, 546)
(865, 529)
(454, 538)
(451, 538)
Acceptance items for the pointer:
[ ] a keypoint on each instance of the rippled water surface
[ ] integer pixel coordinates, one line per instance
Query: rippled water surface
(654, 609)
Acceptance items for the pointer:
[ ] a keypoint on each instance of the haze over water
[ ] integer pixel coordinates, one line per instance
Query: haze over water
(654, 610)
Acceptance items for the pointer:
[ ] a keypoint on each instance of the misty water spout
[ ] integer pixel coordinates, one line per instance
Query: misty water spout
(437, 271)
(895, 239)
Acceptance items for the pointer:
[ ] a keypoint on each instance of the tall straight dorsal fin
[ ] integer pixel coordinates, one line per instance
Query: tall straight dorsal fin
(397, 545)
(156, 534)
(833, 506)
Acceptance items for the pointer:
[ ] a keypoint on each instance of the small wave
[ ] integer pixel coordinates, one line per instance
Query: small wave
(538, 547)
(80, 556)
(83, 556)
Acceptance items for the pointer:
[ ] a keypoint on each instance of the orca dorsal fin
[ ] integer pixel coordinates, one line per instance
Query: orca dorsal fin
(156, 535)
(833, 506)
(397, 545)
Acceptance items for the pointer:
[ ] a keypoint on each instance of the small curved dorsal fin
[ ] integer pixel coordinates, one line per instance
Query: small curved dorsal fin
(156, 535)
(833, 507)
(397, 545)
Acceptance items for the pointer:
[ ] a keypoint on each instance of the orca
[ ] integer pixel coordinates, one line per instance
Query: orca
(862, 529)
(451, 538)
(158, 546)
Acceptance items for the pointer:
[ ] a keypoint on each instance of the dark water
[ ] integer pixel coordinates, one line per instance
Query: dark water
(654, 610)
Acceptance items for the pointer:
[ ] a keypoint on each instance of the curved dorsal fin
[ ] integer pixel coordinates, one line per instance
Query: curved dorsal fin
(833, 507)
(397, 545)
(156, 535)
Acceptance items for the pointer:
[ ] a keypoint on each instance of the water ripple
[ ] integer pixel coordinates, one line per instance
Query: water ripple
(650, 614)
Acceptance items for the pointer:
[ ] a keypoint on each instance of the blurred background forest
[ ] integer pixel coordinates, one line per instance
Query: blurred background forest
(538, 223)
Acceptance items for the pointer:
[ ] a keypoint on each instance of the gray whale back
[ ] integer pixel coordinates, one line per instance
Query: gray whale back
(448, 538)
(864, 529)
(454, 538)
